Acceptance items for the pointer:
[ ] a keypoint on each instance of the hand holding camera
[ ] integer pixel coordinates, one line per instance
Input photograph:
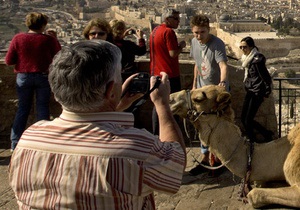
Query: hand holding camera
(140, 83)
(161, 95)
(182, 44)
(131, 31)
(138, 33)
(128, 98)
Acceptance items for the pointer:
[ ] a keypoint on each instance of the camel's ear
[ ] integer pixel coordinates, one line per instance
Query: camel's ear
(223, 100)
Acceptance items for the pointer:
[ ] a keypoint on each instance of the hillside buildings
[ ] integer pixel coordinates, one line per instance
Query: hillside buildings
(230, 19)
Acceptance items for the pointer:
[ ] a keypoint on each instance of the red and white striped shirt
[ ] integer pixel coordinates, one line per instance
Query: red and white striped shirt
(93, 161)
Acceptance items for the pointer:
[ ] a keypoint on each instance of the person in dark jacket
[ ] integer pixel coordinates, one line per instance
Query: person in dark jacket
(128, 48)
(258, 85)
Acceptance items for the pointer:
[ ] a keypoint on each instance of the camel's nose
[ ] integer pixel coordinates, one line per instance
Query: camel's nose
(178, 103)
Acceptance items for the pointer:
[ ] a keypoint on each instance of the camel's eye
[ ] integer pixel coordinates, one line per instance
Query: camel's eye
(200, 98)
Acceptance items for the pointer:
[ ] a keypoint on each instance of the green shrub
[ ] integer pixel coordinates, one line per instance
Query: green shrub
(290, 74)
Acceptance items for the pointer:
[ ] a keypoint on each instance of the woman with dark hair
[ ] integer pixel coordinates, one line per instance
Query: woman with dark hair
(31, 54)
(258, 84)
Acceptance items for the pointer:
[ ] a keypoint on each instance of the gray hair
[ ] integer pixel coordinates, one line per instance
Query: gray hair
(169, 13)
(80, 73)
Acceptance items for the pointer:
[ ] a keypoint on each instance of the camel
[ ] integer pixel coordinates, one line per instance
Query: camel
(209, 110)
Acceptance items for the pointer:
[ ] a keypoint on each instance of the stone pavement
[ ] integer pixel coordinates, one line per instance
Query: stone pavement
(196, 193)
(7, 197)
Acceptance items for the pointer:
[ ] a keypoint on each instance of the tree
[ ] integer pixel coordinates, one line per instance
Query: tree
(82, 3)
(262, 19)
(277, 24)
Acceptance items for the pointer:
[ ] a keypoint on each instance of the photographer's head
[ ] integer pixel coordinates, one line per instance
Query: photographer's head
(86, 76)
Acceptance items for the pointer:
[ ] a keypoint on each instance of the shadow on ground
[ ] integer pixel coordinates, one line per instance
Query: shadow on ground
(4, 160)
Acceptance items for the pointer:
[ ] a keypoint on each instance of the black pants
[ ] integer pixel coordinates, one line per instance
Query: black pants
(251, 105)
(175, 87)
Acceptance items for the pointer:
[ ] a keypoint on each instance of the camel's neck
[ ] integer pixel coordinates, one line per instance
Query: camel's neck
(225, 141)
(209, 126)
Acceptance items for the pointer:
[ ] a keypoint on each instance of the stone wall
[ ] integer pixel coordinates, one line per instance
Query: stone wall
(271, 48)
(130, 18)
(8, 99)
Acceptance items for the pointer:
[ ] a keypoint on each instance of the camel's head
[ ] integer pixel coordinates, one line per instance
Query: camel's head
(207, 100)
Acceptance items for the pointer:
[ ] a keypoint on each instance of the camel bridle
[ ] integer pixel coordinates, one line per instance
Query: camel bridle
(192, 113)
(193, 116)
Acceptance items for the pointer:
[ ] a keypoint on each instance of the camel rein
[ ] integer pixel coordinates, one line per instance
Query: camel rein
(193, 116)
(246, 185)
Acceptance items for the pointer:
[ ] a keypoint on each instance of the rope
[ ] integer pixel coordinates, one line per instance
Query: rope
(246, 185)
(206, 166)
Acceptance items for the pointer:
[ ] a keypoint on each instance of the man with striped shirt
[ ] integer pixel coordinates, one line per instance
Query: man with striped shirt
(91, 156)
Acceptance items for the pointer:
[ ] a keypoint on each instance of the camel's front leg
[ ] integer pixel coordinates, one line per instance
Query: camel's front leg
(287, 196)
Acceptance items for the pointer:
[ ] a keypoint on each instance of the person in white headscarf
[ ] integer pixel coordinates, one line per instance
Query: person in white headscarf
(258, 85)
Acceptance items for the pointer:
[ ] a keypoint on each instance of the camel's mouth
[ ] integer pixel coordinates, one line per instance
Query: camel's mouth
(178, 103)
(176, 108)
(173, 105)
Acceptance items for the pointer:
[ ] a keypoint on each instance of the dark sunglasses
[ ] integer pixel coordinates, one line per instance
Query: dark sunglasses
(101, 33)
(243, 47)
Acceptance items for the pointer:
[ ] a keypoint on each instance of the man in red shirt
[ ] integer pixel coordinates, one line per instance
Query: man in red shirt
(164, 51)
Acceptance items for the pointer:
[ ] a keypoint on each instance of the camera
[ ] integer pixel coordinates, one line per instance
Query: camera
(140, 83)
(132, 31)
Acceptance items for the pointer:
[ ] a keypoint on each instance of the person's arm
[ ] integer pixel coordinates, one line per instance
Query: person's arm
(195, 77)
(224, 72)
(263, 72)
(175, 53)
(51, 32)
(142, 49)
(127, 98)
(139, 48)
(169, 130)
(11, 55)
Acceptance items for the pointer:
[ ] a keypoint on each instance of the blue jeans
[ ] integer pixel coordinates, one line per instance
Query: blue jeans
(27, 85)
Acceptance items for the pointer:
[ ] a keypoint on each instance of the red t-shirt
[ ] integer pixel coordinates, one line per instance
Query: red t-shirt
(160, 60)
